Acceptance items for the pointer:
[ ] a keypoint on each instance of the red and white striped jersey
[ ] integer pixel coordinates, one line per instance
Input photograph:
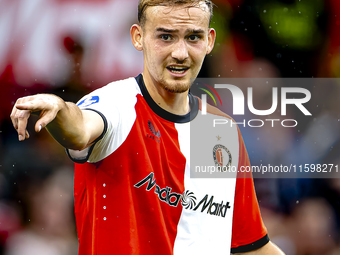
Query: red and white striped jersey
(133, 191)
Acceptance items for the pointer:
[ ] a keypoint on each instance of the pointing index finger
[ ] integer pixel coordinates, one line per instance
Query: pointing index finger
(32, 106)
(34, 110)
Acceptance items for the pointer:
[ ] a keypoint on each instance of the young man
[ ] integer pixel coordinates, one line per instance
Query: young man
(130, 139)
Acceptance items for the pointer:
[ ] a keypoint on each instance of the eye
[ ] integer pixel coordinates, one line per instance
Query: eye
(165, 37)
(194, 38)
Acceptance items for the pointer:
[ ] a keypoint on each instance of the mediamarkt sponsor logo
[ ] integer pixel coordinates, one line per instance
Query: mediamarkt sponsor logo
(188, 200)
(164, 195)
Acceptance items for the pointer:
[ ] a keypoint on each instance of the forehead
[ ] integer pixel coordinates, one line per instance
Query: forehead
(178, 16)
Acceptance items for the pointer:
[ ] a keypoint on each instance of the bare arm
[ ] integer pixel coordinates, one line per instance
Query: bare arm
(268, 249)
(71, 127)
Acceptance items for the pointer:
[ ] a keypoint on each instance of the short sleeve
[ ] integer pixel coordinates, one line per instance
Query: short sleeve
(115, 104)
(249, 232)
(98, 102)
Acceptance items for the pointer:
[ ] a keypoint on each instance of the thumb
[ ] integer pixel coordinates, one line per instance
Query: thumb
(46, 118)
(38, 127)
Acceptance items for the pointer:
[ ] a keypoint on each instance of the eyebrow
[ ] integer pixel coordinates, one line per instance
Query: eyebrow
(192, 31)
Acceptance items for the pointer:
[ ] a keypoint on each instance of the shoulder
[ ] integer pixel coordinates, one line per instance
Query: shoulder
(117, 91)
(120, 86)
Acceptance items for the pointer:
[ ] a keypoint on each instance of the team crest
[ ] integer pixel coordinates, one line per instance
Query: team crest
(222, 156)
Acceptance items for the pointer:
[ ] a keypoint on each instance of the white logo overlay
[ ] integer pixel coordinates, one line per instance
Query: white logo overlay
(285, 101)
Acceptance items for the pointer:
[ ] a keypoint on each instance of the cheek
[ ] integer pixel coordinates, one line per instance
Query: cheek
(198, 53)
(154, 52)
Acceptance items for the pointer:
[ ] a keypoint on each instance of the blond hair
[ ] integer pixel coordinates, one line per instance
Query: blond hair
(144, 4)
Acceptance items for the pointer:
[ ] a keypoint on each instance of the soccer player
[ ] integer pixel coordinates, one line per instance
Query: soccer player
(130, 141)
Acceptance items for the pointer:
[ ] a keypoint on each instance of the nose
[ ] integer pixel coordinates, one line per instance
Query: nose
(180, 51)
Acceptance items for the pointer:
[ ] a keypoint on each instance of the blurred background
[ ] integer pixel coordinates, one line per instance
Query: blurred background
(71, 47)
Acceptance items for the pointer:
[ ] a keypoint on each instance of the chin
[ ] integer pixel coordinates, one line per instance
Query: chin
(177, 86)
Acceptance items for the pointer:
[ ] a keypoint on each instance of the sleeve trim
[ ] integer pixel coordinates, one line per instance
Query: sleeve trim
(252, 246)
(85, 159)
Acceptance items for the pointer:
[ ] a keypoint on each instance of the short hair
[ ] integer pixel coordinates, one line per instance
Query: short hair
(144, 4)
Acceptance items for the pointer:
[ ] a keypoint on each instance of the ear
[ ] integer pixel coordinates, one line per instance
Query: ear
(136, 37)
(211, 40)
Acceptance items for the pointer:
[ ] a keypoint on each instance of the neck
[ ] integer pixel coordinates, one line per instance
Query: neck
(175, 103)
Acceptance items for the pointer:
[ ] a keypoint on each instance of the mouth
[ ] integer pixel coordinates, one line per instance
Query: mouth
(177, 69)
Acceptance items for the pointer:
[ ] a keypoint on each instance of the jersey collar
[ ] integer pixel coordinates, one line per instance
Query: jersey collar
(193, 101)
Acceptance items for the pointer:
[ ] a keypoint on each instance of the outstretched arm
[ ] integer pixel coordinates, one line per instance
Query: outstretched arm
(71, 127)
(268, 249)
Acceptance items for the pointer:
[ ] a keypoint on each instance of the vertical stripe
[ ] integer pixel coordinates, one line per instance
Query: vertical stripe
(199, 230)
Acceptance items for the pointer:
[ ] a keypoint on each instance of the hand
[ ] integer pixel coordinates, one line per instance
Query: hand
(48, 105)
